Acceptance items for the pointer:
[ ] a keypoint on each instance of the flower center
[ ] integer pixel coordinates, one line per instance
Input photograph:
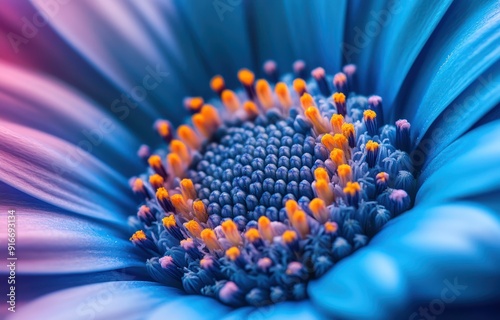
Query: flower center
(270, 187)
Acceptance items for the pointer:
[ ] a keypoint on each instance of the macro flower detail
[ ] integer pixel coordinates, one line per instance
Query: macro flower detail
(270, 185)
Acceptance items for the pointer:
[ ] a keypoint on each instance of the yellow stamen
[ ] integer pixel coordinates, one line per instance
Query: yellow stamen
(163, 129)
(233, 253)
(178, 147)
(231, 232)
(324, 191)
(230, 100)
(283, 94)
(306, 101)
(187, 134)
(156, 181)
(340, 141)
(338, 97)
(329, 142)
(337, 121)
(175, 164)
(169, 221)
(331, 227)
(321, 174)
(187, 189)
(318, 209)
(217, 84)
(369, 115)
(289, 236)
(200, 212)
(299, 222)
(138, 236)
(338, 156)
(194, 104)
(348, 130)
(211, 115)
(252, 235)
(352, 188)
(265, 228)
(300, 86)
(382, 176)
(251, 109)
(317, 120)
(246, 77)
(210, 239)
(180, 204)
(202, 125)
(264, 93)
(162, 194)
(154, 162)
(290, 207)
(345, 174)
(371, 146)
(194, 228)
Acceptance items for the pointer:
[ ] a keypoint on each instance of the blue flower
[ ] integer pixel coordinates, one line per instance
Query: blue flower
(81, 91)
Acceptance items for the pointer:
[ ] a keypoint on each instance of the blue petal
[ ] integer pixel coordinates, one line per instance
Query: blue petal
(60, 174)
(415, 259)
(465, 44)
(38, 102)
(51, 240)
(190, 307)
(298, 310)
(108, 300)
(467, 167)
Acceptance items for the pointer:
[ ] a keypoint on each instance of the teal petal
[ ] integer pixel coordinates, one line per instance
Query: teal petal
(464, 46)
(413, 260)
(190, 307)
(107, 300)
(469, 166)
(57, 172)
(51, 240)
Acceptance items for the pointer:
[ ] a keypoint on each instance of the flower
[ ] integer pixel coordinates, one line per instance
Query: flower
(434, 65)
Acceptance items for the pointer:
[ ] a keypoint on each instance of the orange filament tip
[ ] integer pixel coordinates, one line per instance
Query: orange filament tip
(338, 97)
(330, 227)
(138, 236)
(211, 114)
(371, 146)
(299, 85)
(265, 228)
(252, 235)
(163, 129)
(169, 222)
(210, 239)
(154, 161)
(324, 191)
(194, 228)
(352, 188)
(201, 125)
(339, 78)
(299, 222)
(382, 176)
(162, 194)
(337, 156)
(321, 174)
(200, 211)
(340, 141)
(231, 232)
(291, 206)
(289, 236)
(179, 203)
(156, 181)
(186, 134)
(369, 115)
(264, 93)
(217, 83)
(337, 120)
(246, 77)
(187, 189)
(251, 109)
(138, 185)
(283, 94)
(307, 101)
(178, 147)
(348, 130)
(233, 253)
(329, 142)
(194, 104)
(230, 100)
(318, 208)
(317, 120)
(175, 164)
(344, 170)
